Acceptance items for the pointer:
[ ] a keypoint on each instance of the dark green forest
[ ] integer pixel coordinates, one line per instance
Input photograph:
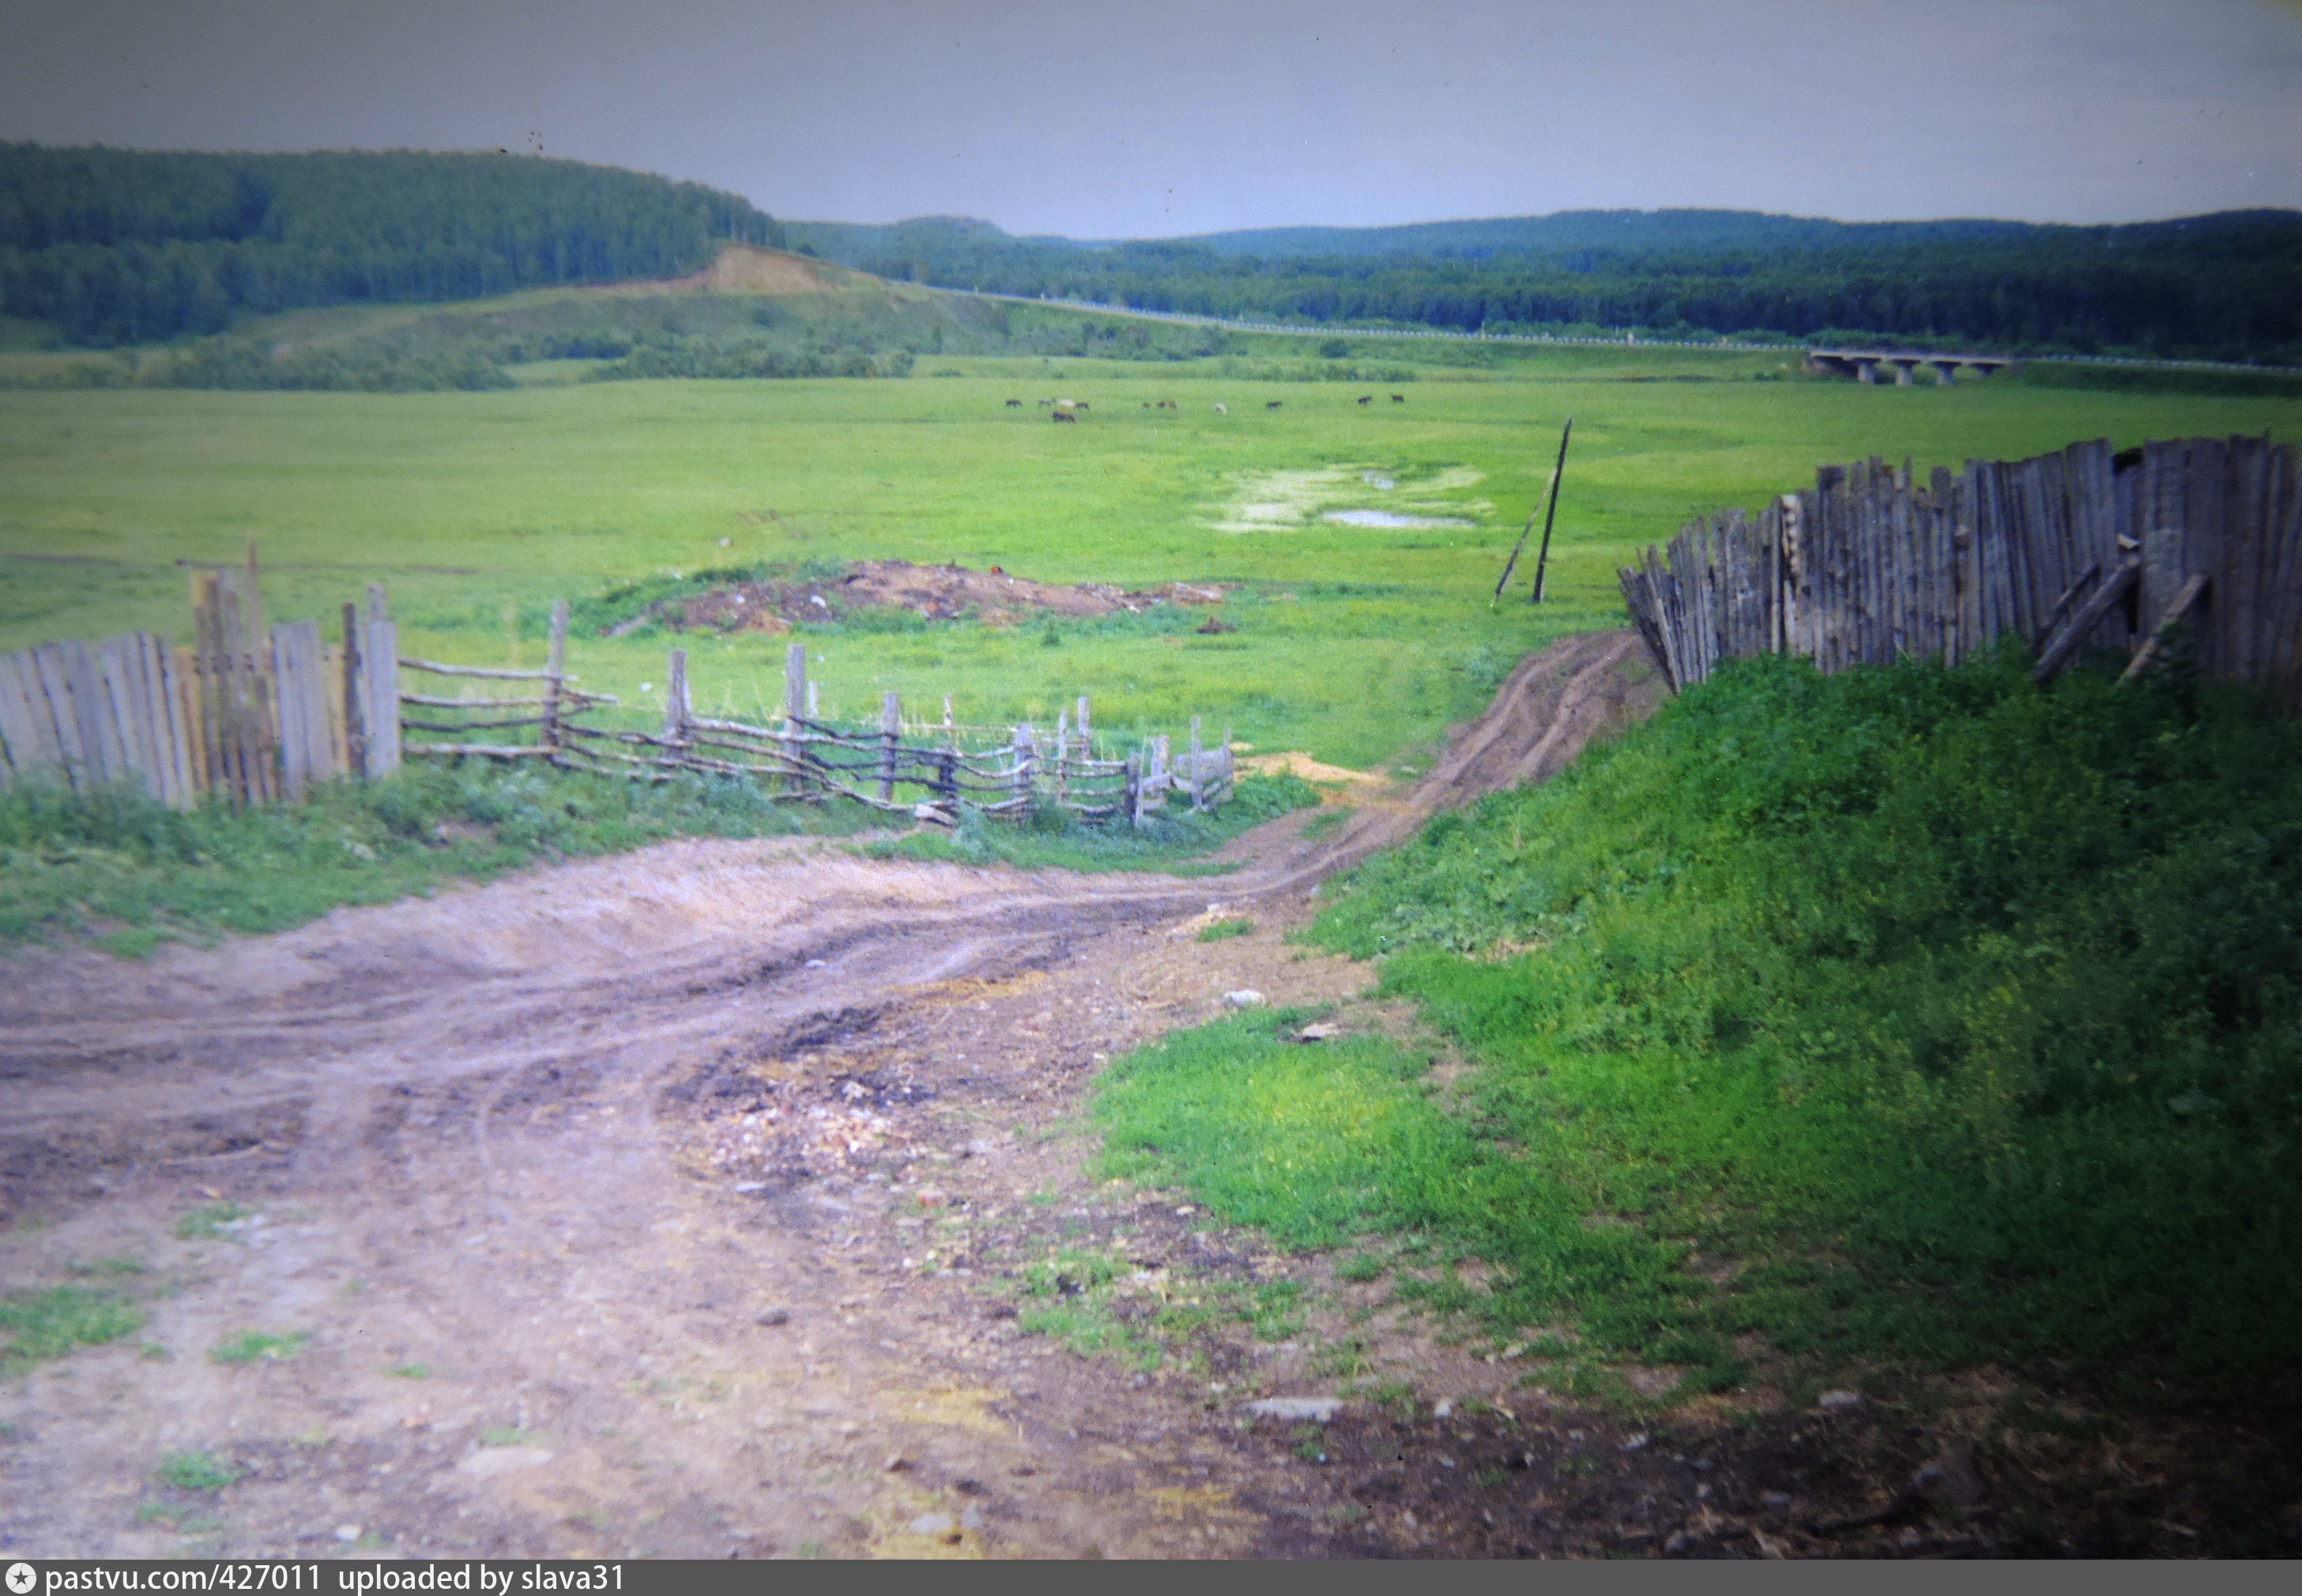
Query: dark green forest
(116, 246)
(120, 246)
(2225, 287)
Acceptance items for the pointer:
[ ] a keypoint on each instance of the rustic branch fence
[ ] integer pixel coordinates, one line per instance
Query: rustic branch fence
(2079, 550)
(258, 715)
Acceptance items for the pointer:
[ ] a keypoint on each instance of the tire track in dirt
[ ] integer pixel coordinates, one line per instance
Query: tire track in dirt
(468, 1128)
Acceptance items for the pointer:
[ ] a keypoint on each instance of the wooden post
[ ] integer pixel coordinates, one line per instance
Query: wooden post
(556, 663)
(354, 714)
(1063, 753)
(794, 708)
(1542, 558)
(891, 729)
(1199, 798)
(950, 734)
(674, 698)
(259, 690)
(380, 673)
(1131, 805)
(1022, 773)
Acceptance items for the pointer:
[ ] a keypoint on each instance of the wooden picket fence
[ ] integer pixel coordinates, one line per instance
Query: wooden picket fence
(2074, 551)
(260, 714)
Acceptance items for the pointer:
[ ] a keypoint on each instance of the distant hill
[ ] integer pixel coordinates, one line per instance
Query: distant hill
(2226, 286)
(1592, 230)
(118, 246)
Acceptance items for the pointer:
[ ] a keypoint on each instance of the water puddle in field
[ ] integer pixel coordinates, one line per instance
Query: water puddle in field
(1388, 518)
(1432, 497)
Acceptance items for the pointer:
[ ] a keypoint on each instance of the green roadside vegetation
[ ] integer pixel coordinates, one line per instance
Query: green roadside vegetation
(1911, 1020)
(115, 868)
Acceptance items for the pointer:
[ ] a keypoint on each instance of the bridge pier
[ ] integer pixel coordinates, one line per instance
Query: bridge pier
(1946, 373)
(1866, 370)
(1902, 369)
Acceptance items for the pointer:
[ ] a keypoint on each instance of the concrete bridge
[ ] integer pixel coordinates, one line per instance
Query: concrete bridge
(1863, 365)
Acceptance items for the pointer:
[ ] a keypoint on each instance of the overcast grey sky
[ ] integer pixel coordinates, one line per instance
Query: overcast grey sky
(1101, 120)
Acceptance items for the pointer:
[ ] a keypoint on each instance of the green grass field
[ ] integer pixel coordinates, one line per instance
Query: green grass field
(1357, 644)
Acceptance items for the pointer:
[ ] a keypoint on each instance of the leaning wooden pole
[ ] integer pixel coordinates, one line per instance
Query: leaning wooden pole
(1527, 530)
(1542, 558)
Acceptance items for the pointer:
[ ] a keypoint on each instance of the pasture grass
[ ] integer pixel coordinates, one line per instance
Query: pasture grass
(1352, 643)
(1910, 1018)
(1357, 645)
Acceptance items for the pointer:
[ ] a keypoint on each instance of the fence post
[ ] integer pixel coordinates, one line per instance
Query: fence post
(1228, 780)
(355, 721)
(891, 727)
(379, 665)
(1131, 805)
(1063, 753)
(675, 698)
(555, 661)
(1022, 775)
(794, 706)
(1199, 801)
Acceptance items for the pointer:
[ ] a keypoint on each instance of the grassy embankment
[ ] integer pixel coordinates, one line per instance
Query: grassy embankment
(1912, 1019)
(1357, 644)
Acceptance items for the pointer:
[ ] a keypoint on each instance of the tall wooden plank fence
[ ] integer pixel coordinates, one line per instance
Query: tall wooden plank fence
(2074, 552)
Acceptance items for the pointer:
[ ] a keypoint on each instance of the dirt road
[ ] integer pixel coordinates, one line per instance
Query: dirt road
(670, 1205)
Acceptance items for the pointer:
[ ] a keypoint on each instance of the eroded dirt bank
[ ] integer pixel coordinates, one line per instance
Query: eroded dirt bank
(673, 1204)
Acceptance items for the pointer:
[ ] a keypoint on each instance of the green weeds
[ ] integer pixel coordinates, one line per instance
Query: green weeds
(206, 1222)
(36, 1326)
(253, 1346)
(1224, 930)
(197, 1471)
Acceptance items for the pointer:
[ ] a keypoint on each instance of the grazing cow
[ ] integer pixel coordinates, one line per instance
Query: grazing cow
(1271, 404)
(1014, 404)
(1062, 416)
(1081, 405)
(1397, 398)
(1146, 404)
(1045, 403)
(1366, 398)
(1222, 410)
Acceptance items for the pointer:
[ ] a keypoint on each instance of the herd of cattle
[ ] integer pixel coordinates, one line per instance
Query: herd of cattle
(1068, 409)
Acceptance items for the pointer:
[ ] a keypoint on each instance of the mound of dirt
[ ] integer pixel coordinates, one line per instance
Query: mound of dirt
(934, 592)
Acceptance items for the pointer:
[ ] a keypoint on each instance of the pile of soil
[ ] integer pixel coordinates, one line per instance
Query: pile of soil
(935, 592)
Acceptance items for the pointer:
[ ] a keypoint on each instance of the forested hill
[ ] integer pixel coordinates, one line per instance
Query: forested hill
(123, 246)
(1593, 229)
(2227, 286)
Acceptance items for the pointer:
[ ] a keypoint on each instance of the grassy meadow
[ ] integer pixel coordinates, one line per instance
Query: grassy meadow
(1357, 644)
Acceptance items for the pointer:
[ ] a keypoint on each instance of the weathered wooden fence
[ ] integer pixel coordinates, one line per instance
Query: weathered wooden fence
(932, 774)
(259, 714)
(2083, 549)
